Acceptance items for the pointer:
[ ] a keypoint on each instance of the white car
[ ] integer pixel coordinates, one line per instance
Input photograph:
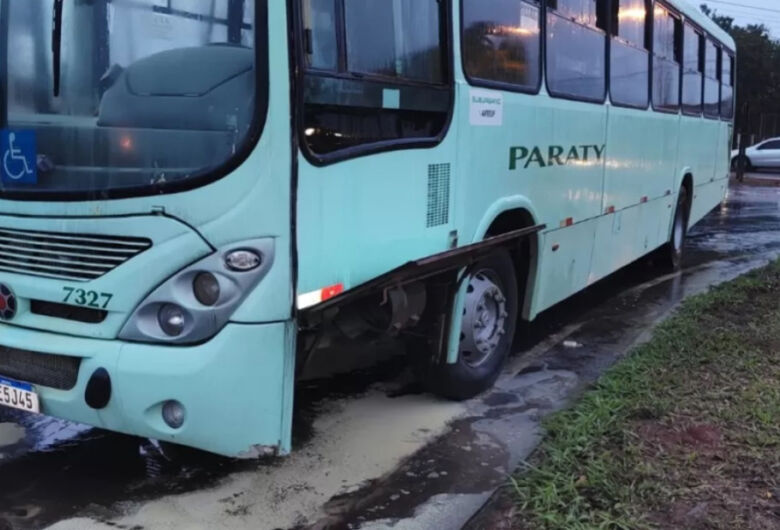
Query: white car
(762, 155)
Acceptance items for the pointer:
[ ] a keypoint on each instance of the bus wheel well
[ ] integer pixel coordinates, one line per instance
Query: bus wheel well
(524, 252)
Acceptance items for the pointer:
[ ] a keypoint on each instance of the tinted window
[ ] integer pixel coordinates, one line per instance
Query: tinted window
(390, 84)
(576, 48)
(630, 76)
(693, 67)
(394, 39)
(501, 41)
(727, 87)
(711, 80)
(583, 11)
(319, 19)
(773, 144)
(667, 32)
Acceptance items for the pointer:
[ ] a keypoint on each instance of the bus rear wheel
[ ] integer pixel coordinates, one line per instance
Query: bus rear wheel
(672, 253)
(488, 327)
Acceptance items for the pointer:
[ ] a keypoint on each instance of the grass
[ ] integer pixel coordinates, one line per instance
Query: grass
(685, 433)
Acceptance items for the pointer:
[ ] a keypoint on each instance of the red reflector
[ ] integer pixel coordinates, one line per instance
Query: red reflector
(644, 199)
(332, 291)
(610, 209)
(555, 247)
(568, 221)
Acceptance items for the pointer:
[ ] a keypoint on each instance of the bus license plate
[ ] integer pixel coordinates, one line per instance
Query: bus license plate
(18, 396)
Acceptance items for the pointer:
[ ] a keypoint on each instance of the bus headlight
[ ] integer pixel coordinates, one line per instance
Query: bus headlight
(206, 288)
(195, 303)
(171, 319)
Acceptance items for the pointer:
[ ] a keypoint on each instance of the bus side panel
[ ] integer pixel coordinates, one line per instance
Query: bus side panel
(566, 260)
(629, 234)
(641, 156)
(641, 168)
(698, 136)
(545, 148)
(707, 197)
(707, 192)
(360, 218)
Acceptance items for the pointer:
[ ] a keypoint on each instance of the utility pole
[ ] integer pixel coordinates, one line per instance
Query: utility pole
(743, 143)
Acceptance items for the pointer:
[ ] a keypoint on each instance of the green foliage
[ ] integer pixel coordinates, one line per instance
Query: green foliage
(619, 459)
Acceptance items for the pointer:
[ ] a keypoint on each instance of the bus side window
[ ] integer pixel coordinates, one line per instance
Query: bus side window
(376, 73)
(727, 87)
(395, 39)
(693, 71)
(321, 45)
(667, 47)
(711, 81)
(630, 59)
(576, 49)
(501, 41)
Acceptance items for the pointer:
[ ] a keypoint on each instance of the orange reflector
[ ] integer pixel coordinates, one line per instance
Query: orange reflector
(332, 291)
(316, 297)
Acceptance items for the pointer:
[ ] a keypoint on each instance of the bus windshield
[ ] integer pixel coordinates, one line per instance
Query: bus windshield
(107, 98)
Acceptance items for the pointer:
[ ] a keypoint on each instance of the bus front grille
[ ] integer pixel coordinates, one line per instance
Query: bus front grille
(53, 371)
(80, 257)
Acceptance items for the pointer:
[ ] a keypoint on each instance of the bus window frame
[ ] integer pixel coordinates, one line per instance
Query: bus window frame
(569, 97)
(719, 47)
(733, 78)
(702, 35)
(299, 71)
(648, 41)
(258, 124)
(480, 82)
(675, 14)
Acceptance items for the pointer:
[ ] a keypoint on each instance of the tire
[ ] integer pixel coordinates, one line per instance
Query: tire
(744, 161)
(490, 312)
(672, 252)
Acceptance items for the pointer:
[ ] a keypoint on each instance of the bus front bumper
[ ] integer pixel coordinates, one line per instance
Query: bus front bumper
(236, 389)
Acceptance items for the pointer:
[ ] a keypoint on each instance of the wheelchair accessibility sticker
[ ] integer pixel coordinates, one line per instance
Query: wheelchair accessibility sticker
(19, 152)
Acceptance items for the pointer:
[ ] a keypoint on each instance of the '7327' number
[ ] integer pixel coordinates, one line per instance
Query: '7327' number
(86, 298)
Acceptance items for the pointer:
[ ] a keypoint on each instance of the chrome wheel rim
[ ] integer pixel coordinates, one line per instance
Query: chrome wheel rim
(484, 319)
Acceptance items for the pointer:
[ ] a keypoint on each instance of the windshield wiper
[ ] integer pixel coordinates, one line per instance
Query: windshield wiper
(56, 45)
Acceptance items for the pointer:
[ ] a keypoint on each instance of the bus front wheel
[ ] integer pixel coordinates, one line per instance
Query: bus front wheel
(489, 309)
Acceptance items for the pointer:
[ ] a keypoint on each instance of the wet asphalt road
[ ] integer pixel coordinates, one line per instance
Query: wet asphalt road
(423, 464)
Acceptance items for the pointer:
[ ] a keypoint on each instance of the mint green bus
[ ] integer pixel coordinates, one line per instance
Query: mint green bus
(197, 195)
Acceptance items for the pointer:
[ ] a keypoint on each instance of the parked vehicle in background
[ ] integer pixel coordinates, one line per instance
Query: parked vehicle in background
(763, 155)
(198, 194)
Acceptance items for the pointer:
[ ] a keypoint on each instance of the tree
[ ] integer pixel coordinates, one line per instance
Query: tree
(758, 70)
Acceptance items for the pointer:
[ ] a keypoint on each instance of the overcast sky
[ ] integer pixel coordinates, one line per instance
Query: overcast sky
(749, 12)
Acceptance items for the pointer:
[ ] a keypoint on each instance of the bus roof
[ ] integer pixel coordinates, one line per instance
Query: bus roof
(694, 14)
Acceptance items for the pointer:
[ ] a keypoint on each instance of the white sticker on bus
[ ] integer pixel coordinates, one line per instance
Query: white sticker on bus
(486, 108)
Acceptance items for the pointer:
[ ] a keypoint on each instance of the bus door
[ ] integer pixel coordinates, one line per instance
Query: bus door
(376, 168)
